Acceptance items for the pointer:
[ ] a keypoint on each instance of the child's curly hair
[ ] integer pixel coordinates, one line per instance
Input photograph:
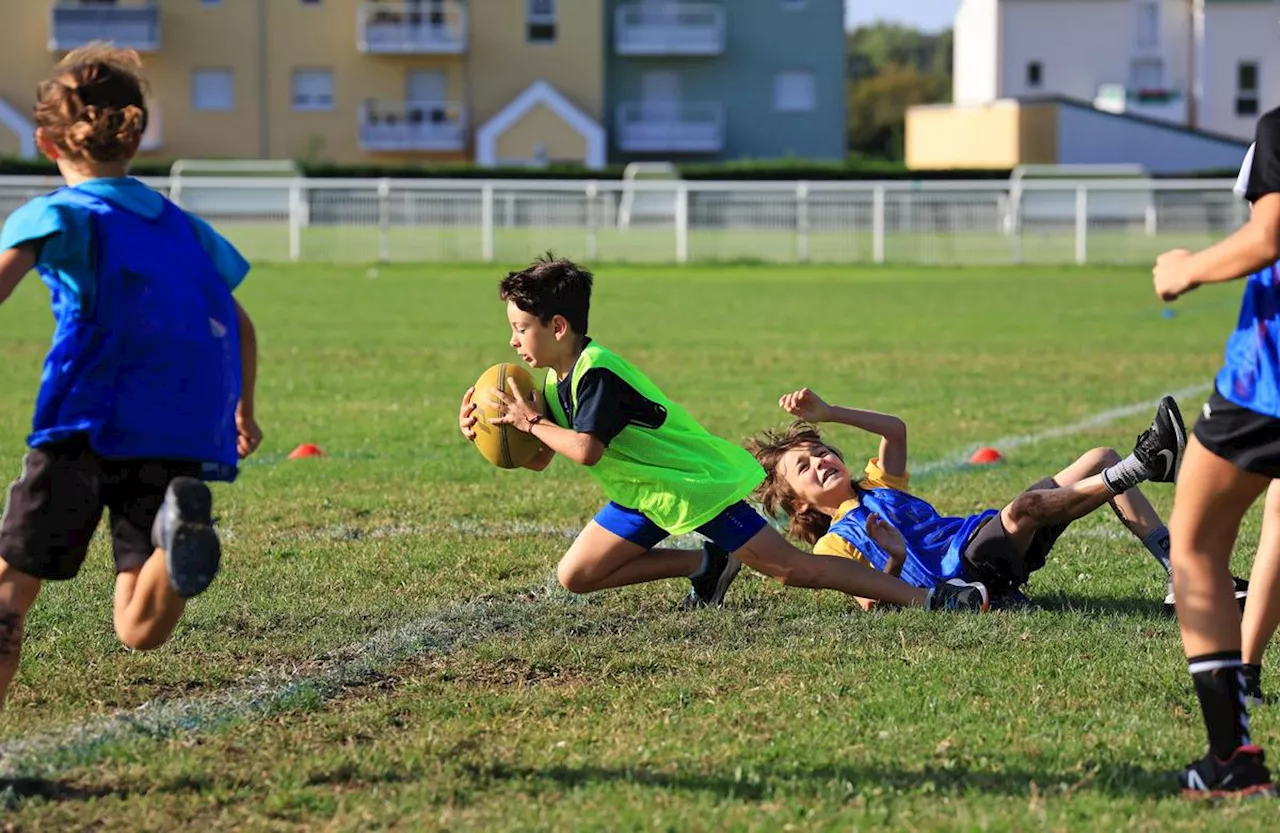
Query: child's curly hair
(769, 448)
(93, 107)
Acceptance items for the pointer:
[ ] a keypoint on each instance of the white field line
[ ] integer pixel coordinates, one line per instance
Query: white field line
(960, 458)
(442, 630)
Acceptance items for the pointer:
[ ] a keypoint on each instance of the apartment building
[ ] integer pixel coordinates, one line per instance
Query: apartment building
(523, 82)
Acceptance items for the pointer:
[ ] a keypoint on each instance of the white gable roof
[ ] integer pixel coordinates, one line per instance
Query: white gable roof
(540, 92)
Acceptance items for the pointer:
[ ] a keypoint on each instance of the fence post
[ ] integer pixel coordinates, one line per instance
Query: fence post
(384, 220)
(1082, 225)
(295, 220)
(802, 222)
(1014, 223)
(593, 194)
(486, 223)
(682, 224)
(877, 224)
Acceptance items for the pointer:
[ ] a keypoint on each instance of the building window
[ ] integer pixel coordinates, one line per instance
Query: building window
(212, 89)
(313, 89)
(795, 92)
(1149, 25)
(1147, 75)
(540, 21)
(1247, 88)
(1035, 75)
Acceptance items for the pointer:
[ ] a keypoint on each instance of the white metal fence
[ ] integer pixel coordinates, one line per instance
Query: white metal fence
(959, 223)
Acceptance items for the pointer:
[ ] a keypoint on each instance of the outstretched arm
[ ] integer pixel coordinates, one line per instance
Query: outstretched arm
(15, 263)
(892, 431)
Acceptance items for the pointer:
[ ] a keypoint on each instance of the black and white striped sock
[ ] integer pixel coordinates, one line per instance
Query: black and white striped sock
(1219, 684)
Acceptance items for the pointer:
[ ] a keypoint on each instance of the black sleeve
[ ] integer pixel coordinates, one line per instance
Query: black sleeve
(1264, 174)
(599, 408)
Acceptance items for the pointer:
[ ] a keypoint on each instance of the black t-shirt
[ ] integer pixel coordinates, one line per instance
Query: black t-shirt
(606, 405)
(1264, 173)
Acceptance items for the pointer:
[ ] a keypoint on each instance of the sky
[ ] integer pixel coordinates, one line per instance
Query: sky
(930, 15)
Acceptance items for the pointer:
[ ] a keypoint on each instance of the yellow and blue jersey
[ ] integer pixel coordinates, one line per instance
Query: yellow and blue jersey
(935, 544)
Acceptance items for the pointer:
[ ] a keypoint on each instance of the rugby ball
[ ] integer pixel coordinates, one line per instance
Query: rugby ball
(503, 445)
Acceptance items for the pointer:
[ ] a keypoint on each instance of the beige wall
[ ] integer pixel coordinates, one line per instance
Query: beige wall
(503, 63)
(541, 126)
(999, 135)
(24, 61)
(195, 36)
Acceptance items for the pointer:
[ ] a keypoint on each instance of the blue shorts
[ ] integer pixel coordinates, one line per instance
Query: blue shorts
(730, 530)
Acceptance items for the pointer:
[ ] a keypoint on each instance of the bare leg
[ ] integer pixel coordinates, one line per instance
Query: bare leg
(599, 560)
(1211, 499)
(1132, 507)
(146, 606)
(769, 553)
(18, 593)
(1038, 508)
(1262, 611)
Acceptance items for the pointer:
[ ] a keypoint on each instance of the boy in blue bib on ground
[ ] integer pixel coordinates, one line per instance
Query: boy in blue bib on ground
(147, 390)
(872, 517)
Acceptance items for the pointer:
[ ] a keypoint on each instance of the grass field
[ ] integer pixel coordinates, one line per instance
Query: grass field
(386, 648)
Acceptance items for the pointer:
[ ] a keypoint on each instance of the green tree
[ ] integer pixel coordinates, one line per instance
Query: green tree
(877, 108)
(890, 68)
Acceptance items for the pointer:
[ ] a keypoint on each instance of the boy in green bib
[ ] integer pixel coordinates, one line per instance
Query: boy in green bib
(663, 473)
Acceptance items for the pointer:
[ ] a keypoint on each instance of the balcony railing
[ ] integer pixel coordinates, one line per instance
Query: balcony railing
(411, 125)
(676, 126)
(74, 23)
(669, 29)
(429, 27)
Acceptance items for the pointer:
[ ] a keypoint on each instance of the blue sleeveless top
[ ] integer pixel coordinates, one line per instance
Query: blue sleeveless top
(150, 366)
(934, 543)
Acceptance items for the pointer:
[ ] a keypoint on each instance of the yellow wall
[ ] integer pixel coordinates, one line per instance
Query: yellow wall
(229, 35)
(503, 64)
(999, 135)
(24, 61)
(541, 126)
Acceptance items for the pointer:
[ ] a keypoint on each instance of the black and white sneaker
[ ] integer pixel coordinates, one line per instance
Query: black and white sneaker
(183, 528)
(959, 595)
(1243, 775)
(709, 588)
(1160, 447)
(1241, 591)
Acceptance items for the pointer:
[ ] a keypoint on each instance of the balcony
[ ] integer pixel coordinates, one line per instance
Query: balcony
(74, 23)
(412, 125)
(669, 29)
(427, 27)
(1165, 105)
(670, 127)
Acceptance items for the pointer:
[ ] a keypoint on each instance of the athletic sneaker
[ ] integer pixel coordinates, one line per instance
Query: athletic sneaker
(1241, 591)
(1160, 447)
(1244, 774)
(956, 594)
(183, 528)
(709, 588)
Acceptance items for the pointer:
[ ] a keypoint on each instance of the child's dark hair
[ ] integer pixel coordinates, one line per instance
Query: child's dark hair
(551, 286)
(93, 107)
(769, 448)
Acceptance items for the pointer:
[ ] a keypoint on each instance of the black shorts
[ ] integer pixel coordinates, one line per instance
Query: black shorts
(1246, 439)
(993, 559)
(56, 503)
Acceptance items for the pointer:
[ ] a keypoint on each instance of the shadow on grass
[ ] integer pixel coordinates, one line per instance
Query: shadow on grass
(1141, 608)
(763, 783)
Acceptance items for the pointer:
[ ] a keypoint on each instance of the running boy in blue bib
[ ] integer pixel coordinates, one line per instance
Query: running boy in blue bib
(147, 389)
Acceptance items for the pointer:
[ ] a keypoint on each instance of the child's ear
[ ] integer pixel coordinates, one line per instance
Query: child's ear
(46, 145)
(560, 326)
